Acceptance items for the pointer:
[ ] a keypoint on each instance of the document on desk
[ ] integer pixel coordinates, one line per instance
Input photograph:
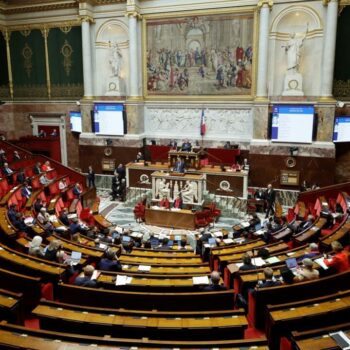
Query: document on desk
(320, 262)
(258, 261)
(228, 240)
(122, 280)
(273, 260)
(200, 280)
(144, 268)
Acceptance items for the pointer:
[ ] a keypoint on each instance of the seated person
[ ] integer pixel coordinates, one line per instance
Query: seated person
(173, 144)
(38, 204)
(26, 190)
(52, 250)
(62, 185)
(19, 223)
(179, 165)
(43, 216)
(303, 225)
(16, 156)
(75, 226)
(77, 190)
(139, 157)
(46, 166)
(7, 171)
(37, 168)
(215, 283)
(11, 213)
(186, 146)
(178, 202)
(110, 262)
(164, 245)
(164, 203)
(310, 252)
(183, 243)
(42, 133)
(307, 272)
(87, 280)
(227, 145)
(54, 133)
(247, 263)
(340, 260)
(21, 177)
(287, 275)
(270, 280)
(35, 248)
(259, 194)
(63, 217)
(236, 166)
(44, 180)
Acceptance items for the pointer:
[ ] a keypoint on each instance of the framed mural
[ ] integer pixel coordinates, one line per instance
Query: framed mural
(199, 55)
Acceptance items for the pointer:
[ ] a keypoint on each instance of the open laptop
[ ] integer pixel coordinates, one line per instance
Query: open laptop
(292, 264)
(170, 243)
(212, 242)
(154, 242)
(258, 226)
(126, 239)
(75, 258)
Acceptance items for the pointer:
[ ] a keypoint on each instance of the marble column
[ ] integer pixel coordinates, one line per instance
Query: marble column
(133, 55)
(87, 64)
(329, 49)
(261, 89)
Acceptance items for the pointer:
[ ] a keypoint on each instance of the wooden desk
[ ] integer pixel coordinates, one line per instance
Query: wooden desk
(10, 306)
(24, 338)
(184, 219)
(125, 259)
(133, 326)
(171, 270)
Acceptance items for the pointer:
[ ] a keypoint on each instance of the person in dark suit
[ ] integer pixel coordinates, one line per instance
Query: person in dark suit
(164, 245)
(270, 196)
(247, 264)
(63, 217)
(91, 176)
(178, 202)
(215, 283)
(186, 146)
(173, 144)
(37, 168)
(179, 165)
(26, 191)
(11, 213)
(86, 280)
(110, 262)
(120, 171)
(270, 281)
(20, 176)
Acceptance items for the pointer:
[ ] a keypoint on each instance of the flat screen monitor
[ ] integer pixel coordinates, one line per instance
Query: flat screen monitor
(108, 119)
(341, 132)
(75, 121)
(292, 123)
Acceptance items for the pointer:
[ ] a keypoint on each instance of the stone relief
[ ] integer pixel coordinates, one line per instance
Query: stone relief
(184, 121)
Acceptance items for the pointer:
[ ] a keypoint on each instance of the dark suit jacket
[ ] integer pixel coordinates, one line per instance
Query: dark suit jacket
(85, 282)
(186, 147)
(179, 167)
(214, 287)
(110, 265)
(36, 170)
(269, 283)
(270, 196)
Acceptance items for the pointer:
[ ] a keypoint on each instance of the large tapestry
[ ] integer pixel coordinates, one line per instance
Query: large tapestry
(201, 55)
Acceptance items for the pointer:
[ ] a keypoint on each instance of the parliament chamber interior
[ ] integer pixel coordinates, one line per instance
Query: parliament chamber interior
(174, 174)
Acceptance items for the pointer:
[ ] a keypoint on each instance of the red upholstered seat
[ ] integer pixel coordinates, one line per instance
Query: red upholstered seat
(201, 219)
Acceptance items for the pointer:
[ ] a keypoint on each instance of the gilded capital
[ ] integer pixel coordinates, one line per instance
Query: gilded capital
(45, 32)
(86, 19)
(261, 3)
(134, 14)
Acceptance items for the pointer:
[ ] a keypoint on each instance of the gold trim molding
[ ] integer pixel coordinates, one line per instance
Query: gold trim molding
(261, 3)
(134, 14)
(36, 6)
(41, 26)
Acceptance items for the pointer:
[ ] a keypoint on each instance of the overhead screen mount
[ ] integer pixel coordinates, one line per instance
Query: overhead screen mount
(109, 119)
(293, 123)
(341, 131)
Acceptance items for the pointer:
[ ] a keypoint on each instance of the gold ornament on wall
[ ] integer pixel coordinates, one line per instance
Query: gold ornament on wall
(27, 54)
(66, 51)
(25, 32)
(66, 29)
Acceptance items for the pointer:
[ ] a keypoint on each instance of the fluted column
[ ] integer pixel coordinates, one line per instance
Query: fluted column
(329, 49)
(7, 36)
(87, 63)
(261, 88)
(134, 65)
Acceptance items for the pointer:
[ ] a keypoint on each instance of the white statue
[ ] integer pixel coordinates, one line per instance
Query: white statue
(293, 49)
(189, 192)
(163, 189)
(115, 60)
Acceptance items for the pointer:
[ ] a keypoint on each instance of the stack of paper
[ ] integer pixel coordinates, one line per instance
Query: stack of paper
(144, 268)
(200, 280)
(122, 280)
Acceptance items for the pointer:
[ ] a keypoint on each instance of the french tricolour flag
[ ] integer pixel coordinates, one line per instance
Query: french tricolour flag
(203, 126)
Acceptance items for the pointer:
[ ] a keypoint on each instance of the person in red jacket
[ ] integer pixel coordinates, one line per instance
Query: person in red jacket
(164, 203)
(340, 260)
